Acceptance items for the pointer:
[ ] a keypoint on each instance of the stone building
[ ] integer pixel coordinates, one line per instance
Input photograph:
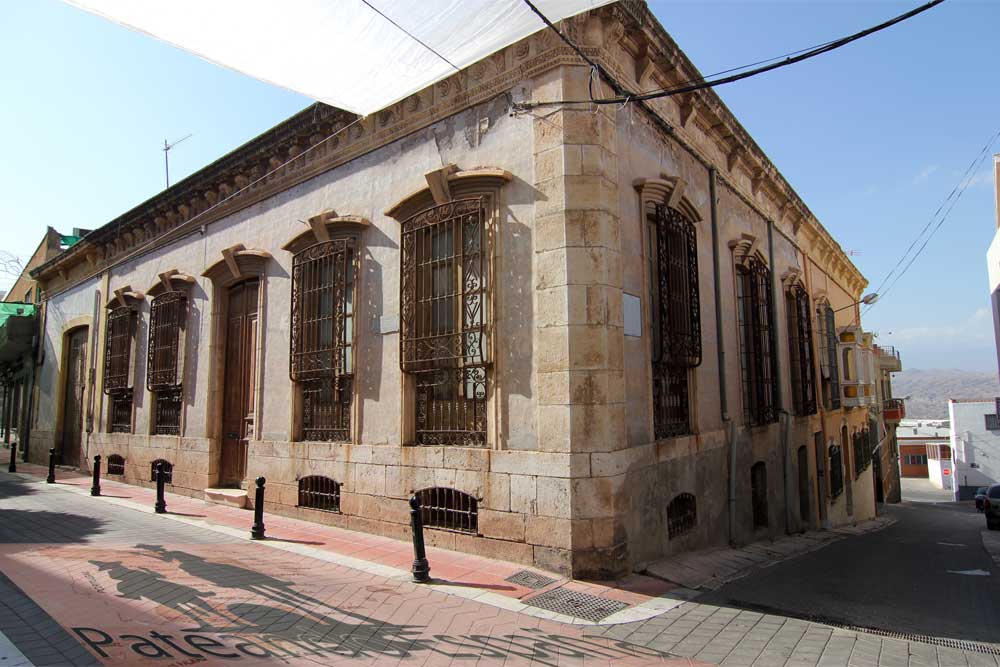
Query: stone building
(586, 337)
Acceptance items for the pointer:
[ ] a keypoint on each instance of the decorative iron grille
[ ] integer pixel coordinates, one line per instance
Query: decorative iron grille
(319, 493)
(120, 408)
(863, 449)
(677, 317)
(116, 464)
(758, 350)
(326, 409)
(671, 415)
(758, 494)
(675, 322)
(831, 350)
(167, 417)
(801, 351)
(120, 330)
(992, 422)
(322, 343)
(682, 514)
(168, 471)
(449, 509)
(166, 320)
(836, 471)
(444, 327)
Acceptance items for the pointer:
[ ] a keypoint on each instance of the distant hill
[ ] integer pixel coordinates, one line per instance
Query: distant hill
(930, 389)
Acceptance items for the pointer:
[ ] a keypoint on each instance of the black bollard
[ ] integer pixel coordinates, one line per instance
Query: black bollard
(161, 505)
(51, 479)
(13, 458)
(95, 488)
(421, 568)
(257, 530)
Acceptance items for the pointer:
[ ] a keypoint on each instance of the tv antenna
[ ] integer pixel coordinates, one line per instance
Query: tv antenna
(166, 155)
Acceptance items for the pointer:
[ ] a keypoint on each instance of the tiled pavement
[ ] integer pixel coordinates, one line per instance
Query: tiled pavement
(95, 580)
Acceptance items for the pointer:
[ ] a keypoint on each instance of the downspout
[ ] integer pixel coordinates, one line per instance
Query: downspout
(727, 423)
(785, 422)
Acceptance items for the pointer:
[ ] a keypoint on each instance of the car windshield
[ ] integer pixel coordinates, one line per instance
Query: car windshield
(981, 491)
(995, 491)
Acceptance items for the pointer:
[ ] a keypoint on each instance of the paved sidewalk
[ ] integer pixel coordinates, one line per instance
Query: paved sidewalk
(711, 568)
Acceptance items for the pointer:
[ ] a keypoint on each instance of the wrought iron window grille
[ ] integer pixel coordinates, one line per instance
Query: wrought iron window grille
(168, 471)
(758, 350)
(120, 327)
(322, 336)
(167, 315)
(800, 349)
(682, 515)
(444, 320)
(319, 493)
(167, 412)
(116, 464)
(449, 509)
(827, 313)
(836, 471)
(675, 320)
(120, 411)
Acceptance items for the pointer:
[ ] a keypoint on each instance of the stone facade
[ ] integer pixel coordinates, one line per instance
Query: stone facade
(571, 477)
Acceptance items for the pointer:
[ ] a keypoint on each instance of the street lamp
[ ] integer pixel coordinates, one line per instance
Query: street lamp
(867, 299)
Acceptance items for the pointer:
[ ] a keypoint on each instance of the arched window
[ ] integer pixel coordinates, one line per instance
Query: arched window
(120, 329)
(757, 345)
(322, 354)
(168, 471)
(444, 295)
(164, 366)
(800, 348)
(758, 494)
(116, 464)
(319, 493)
(674, 317)
(449, 509)
(682, 515)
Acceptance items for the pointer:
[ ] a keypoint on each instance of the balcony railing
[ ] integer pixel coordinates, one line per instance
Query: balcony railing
(893, 410)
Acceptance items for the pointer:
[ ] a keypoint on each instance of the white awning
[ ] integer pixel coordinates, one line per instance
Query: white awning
(346, 53)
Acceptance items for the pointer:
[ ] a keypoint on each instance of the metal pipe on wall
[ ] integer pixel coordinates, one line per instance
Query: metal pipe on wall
(785, 423)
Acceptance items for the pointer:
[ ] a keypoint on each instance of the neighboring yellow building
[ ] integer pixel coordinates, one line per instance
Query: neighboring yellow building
(586, 338)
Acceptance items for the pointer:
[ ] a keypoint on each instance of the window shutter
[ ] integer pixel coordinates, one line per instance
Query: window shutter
(167, 315)
(120, 328)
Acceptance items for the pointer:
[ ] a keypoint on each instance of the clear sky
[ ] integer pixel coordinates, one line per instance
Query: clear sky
(873, 136)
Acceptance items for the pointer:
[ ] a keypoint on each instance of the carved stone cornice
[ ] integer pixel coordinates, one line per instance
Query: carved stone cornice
(666, 191)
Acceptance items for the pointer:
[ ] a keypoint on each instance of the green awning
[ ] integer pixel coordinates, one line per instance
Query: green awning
(69, 240)
(15, 310)
(17, 327)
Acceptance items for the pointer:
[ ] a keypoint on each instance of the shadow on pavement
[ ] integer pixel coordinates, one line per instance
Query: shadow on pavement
(44, 527)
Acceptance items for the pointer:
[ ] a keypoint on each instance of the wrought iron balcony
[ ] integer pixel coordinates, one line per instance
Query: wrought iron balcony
(893, 410)
(888, 359)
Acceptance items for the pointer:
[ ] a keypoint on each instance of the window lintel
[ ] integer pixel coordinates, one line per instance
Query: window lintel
(322, 227)
(666, 191)
(169, 281)
(237, 262)
(446, 184)
(125, 297)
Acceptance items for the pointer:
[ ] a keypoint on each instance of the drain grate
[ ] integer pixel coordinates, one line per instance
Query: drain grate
(960, 644)
(530, 579)
(573, 603)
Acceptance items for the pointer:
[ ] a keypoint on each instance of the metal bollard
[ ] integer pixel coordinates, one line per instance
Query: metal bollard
(161, 505)
(257, 530)
(95, 488)
(51, 479)
(13, 458)
(421, 569)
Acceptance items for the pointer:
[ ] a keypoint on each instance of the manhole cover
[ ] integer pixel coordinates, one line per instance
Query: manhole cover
(530, 579)
(573, 603)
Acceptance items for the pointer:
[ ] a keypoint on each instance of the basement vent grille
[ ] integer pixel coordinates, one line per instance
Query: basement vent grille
(530, 579)
(573, 603)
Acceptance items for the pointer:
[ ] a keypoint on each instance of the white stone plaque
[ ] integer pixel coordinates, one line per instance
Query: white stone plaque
(632, 314)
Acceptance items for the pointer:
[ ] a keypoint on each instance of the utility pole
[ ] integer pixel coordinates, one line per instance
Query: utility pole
(166, 155)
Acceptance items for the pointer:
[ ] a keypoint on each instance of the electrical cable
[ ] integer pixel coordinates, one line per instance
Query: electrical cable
(410, 35)
(967, 180)
(625, 97)
(969, 169)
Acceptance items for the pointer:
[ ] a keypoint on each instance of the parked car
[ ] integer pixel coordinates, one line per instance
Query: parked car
(991, 507)
(980, 497)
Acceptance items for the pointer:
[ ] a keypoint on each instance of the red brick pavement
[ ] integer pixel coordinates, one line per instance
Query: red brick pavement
(244, 602)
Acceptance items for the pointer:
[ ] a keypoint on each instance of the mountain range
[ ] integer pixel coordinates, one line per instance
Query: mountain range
(930, 389)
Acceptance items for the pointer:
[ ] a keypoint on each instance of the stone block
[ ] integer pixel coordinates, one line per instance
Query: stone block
(467, 459)
(582, 534)
(596, 497)
(523, 494)
(496, 495)
(545, 464)
(501, 525)
(515, 552)
(552, 496)
(548, 531)
(554, 428)
(368, 479)
(553, 560)
(423, 457)
(551, 349)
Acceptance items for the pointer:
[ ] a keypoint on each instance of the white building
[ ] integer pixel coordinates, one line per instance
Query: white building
(975, 443)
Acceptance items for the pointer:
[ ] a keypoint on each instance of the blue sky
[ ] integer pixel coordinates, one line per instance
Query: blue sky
(873, 136)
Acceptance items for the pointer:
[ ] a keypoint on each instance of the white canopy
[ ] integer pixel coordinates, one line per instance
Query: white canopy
(358, 55)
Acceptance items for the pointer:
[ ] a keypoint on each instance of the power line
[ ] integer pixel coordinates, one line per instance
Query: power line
(624, 97)
(410, 35)
(954, 190)
(963, 185)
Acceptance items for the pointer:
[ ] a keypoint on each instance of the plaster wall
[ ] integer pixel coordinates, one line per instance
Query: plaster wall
(975, 450)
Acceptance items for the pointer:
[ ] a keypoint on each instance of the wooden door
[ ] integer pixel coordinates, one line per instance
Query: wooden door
(238, 381)
(76, 383)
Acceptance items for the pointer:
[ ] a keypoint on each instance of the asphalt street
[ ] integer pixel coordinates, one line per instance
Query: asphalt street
(915, 576)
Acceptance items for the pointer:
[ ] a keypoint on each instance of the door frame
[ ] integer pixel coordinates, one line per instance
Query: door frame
(236, 266)
(254, 357)
(68, 329)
